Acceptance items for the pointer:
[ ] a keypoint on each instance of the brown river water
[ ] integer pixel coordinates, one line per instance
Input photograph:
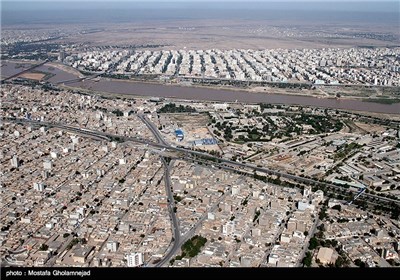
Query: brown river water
(203, 93)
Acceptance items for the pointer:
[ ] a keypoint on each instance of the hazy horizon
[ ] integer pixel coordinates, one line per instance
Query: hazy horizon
(338, 5)
(43, 12)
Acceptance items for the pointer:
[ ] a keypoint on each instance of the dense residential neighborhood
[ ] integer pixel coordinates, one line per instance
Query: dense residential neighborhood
(73, 196)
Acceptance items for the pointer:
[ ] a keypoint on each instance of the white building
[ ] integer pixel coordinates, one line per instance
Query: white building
(221, 107)
(332, 202)
(273, 259)
(211, 216)
(235, 190)
(229, 228)
(286, 237)
(14, 162)
(135, 259)
(318, 197)
(38, 187)
(113, 246)
(307, 192)
(245, 261)
(47, 165)
(303, 205)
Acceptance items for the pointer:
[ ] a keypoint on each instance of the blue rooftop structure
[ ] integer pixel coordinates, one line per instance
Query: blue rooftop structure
(206, 141)
(179, 134)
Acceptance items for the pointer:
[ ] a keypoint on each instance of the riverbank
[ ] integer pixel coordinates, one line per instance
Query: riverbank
(341, 92)
(127, 88)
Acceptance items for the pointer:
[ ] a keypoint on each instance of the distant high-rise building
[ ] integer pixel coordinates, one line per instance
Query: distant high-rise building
(61, 56)
(14, 161)
(135, 259)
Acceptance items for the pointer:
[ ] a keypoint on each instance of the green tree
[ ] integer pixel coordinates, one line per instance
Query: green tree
(313, 243)
(307, 259)
(43, 247)
(340, 262)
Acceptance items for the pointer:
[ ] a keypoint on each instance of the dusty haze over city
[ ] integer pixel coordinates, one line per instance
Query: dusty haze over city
(206, 24)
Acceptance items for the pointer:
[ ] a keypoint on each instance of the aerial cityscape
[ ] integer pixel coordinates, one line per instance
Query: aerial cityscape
(150, 135)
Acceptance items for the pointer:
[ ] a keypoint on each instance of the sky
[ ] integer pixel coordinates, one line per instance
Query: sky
(28, 11)
(200, 1)
(392, 6)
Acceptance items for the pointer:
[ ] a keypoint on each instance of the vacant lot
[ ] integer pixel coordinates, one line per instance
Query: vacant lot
(33, 76)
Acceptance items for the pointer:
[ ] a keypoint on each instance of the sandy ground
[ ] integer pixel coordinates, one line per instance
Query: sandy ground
(224, 34)
(66, 68)
(33, 76)
(370, 127)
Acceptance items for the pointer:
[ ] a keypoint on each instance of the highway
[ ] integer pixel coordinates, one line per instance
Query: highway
(280, 174)
(176, 241)
(175, 222)
(154, 130)
(204, 156)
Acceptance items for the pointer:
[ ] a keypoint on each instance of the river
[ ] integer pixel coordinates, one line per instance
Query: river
(210, 94)
(203, 93)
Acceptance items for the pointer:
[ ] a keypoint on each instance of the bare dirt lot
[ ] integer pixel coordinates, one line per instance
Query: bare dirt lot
(370, 127)
(33, 76)
(194, 128)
